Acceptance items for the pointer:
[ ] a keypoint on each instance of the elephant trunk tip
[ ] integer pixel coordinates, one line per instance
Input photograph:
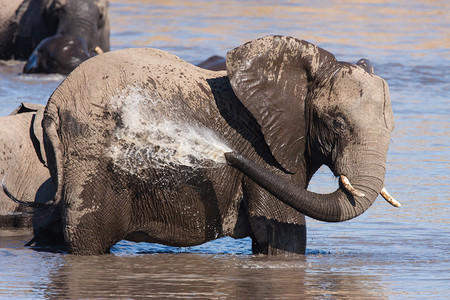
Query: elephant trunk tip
(237, 160)
(230, 157)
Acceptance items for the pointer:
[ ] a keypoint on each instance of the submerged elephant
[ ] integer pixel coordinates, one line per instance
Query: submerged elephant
(22, 164)
(55, 36)
(125, 150)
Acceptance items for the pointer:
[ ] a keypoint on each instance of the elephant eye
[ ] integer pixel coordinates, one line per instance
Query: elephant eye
(338, 125)
(100, 21)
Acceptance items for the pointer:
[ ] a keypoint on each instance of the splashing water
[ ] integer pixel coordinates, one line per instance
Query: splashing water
(153, 134)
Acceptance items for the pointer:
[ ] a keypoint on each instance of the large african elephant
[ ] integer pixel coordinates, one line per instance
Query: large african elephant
(54, 36)
(22, 164)
(135, 142)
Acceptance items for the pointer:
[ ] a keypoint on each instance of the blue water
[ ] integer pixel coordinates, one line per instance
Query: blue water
(392, 253)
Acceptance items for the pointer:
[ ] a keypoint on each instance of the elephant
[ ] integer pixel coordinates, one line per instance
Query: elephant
(213, 63)
(144, 146)
(54, 36)
(22, 164)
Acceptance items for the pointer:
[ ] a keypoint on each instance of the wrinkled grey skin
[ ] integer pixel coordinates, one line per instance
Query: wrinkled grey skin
(285, 104)
(22, 165)
(55, 36)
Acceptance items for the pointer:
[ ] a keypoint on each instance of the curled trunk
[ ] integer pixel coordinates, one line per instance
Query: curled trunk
(338, 206)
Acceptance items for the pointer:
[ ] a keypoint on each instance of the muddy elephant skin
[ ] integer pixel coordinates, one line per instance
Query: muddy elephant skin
(283, 103)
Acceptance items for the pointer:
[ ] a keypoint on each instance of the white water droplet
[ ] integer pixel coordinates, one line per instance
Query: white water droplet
(153, 134)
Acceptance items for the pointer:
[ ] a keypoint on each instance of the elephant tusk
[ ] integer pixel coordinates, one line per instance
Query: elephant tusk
(384, 193)
(348, 186)
(98, 50)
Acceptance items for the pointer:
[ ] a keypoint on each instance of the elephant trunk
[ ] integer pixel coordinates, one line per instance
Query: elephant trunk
(81, 21)
(338, 206)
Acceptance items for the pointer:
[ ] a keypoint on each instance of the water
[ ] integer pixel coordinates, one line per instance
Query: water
(148, 138)
(392, 253)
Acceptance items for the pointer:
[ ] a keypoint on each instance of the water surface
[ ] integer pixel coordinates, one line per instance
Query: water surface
(385, 253)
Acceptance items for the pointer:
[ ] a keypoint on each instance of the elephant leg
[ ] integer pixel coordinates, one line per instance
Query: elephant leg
(277, 229)
(95, 211)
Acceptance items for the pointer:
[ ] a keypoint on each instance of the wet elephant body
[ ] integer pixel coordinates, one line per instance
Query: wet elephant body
(283, 103)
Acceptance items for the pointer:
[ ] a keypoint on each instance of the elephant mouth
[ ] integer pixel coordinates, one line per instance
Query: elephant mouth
(355, 192)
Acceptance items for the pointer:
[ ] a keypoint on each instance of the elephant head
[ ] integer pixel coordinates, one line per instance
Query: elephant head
(22, 165)
(314, 110)
(63, 33)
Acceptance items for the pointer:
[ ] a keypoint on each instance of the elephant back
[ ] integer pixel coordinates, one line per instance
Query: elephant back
(91, 87)
(113, 100)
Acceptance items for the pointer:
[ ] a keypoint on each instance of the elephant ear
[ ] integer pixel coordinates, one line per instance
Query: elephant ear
(29, 28)
(366, 65)
(26, 107)
(271, 76)
(39, 133)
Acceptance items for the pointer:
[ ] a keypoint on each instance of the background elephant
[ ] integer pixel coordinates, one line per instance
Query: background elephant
(22, 165)
(214, 63)
(54, 35)
(117, 154)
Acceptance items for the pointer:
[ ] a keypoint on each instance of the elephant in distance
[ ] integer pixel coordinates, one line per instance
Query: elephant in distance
(54, 36)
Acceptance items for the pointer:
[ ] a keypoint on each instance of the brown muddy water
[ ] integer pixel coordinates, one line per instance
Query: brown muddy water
(387, 253)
